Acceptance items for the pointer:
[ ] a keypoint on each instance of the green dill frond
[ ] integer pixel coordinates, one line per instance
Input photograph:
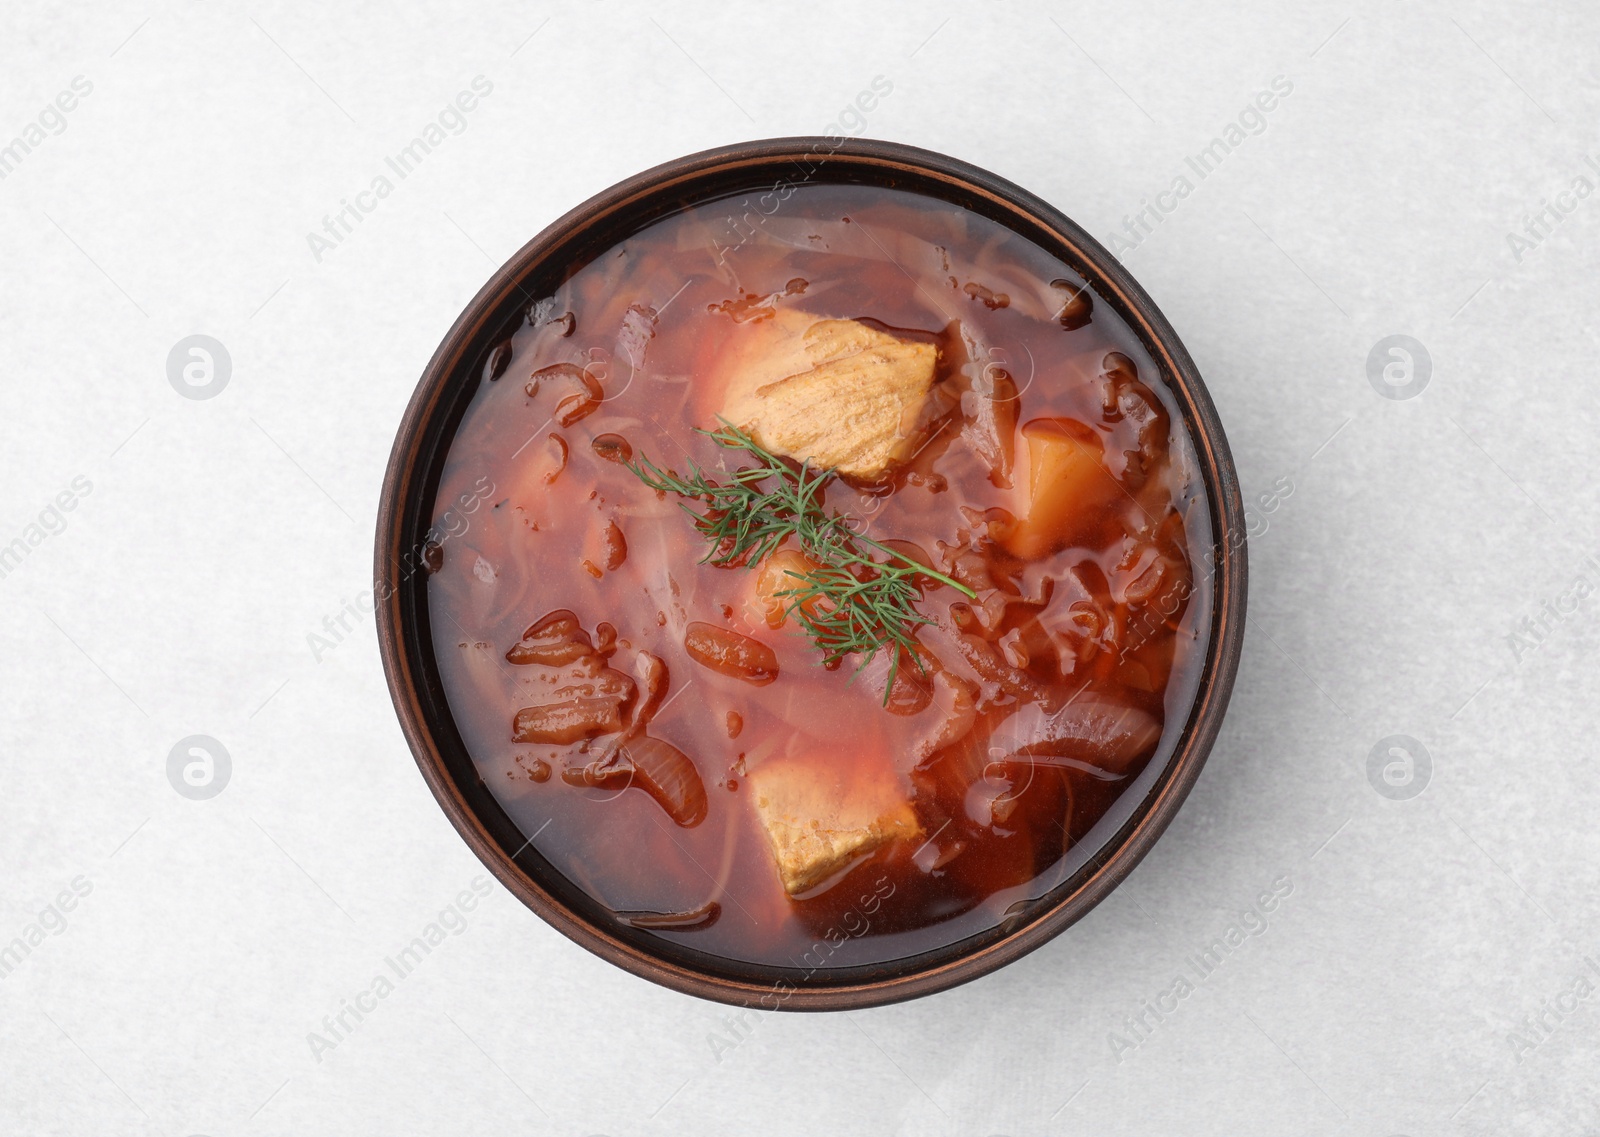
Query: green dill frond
(853, 603)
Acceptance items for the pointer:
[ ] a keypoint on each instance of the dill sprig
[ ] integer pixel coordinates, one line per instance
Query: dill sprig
(852, 603)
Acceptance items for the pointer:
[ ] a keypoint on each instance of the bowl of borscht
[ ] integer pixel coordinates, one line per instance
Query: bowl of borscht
(811, 573)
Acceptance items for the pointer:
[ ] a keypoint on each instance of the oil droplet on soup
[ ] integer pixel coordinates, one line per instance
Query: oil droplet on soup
(662, 717)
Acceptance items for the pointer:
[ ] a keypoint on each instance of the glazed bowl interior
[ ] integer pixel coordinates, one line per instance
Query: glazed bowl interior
(407, 506)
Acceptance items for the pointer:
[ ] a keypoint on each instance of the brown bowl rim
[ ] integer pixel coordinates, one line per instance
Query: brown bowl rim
(1123, 851)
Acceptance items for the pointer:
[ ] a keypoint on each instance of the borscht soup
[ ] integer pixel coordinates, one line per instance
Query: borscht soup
(820, 587)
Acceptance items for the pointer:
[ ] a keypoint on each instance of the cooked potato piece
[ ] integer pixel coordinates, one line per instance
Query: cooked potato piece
(1066, 488)
(772, 578)
(820, 815)
(835, 392)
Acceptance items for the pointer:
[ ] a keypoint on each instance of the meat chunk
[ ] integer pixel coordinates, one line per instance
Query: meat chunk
(837, 393)
(821, 814)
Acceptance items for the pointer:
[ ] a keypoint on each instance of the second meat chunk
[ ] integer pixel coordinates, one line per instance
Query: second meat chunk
(821, 815)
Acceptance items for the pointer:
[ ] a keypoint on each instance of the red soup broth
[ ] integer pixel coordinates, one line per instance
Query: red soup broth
(1046, 705)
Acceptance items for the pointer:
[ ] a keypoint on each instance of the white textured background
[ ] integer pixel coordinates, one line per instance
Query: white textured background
(1389, 994)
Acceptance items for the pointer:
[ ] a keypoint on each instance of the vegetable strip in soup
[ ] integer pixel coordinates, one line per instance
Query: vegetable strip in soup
(829, 588)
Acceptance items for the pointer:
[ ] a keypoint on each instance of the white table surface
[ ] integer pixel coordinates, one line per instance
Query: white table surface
(1389, 993)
